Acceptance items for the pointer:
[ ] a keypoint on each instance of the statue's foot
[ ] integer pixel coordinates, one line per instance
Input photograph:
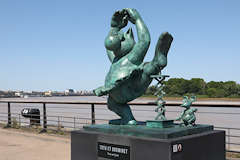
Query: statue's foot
(115, 121)
(182, 124)
(121, 122)
(192, 124)
(160, 58)
(163, 118)
(132, 122)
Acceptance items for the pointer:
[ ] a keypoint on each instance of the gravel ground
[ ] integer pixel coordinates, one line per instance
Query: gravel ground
(16, 145)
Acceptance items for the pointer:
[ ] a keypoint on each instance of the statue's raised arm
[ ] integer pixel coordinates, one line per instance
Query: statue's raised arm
(140, 49)
(115, 36)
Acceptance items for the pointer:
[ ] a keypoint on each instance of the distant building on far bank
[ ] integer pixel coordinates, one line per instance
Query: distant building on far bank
(85, 93)
(7, 94)
(53, 93)
(19, 94)
(69, 92)
(48, 94)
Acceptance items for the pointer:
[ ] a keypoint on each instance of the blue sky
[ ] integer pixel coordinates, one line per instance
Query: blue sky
(59, 44)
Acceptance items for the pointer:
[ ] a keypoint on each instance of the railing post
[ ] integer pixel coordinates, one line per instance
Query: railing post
(93, 113)
(9, 115)
(59, 123)
(44, 119)
(74, 122)
(229, 141)
(19, 120)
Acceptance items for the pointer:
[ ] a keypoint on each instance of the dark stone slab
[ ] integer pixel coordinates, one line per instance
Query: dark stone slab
(85, 145)
(160, 123)
(144, 131)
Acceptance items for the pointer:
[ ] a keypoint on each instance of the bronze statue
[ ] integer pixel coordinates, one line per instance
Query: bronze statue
(187, 116)
(160, 93)
(128, 77)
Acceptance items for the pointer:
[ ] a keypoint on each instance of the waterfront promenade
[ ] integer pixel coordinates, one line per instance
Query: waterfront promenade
(74, 116)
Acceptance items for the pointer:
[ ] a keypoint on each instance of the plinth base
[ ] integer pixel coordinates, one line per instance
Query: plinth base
(152, 132)
(89, 145)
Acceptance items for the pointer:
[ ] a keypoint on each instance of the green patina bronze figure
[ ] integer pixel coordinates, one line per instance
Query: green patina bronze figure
(187, 116)
(160, 109)
(160, 120)
(128, 77)
(160, 93)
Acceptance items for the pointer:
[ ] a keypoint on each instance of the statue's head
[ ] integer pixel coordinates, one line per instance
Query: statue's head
(187, 102)
(120, 43)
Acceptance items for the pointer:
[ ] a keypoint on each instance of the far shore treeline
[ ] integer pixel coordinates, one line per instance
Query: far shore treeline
(176, 87)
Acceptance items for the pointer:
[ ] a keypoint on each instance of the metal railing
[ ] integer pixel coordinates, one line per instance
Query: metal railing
(58, 119)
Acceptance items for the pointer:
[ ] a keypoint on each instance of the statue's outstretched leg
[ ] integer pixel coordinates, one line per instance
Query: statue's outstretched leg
(159, 114)
(123, 110)
(160, 58)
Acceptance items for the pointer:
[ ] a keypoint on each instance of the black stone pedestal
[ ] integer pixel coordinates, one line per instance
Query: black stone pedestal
(89, 145)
